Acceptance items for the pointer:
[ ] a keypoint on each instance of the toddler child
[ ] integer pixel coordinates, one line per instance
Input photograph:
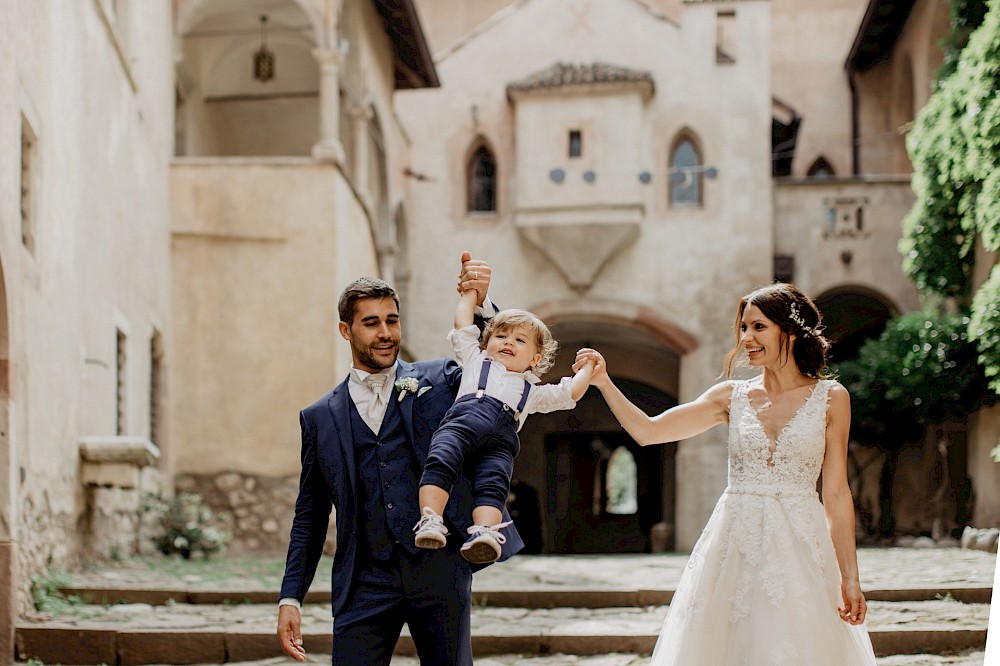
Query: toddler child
(499, 389)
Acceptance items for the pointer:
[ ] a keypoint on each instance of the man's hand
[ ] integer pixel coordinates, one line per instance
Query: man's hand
(290, 632)
(475, 274)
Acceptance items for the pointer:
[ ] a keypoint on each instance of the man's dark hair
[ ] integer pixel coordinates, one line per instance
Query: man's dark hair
(362, 288)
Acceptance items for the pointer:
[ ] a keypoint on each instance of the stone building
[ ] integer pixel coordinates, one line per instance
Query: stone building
(284, 191)
(631, 168)
(86, 118)
(188, 185)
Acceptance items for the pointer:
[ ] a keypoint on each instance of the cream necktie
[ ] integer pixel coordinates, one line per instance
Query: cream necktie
(376, 406)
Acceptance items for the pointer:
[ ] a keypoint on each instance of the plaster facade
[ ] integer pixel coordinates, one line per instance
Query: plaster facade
(85, 140)
(561, 241)
(275, 210)
(584, 244)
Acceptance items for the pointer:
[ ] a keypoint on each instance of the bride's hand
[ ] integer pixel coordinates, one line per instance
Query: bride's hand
(855, 608)
(600, 376)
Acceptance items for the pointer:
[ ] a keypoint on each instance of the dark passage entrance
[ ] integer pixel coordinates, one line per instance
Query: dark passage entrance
(605, 492)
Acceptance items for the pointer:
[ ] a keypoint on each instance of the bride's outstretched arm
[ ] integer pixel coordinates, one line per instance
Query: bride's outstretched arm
(680, 422)
(840, 506)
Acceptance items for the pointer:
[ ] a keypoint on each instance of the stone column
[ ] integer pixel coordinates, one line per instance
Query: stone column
(328, 148)
(360, 115)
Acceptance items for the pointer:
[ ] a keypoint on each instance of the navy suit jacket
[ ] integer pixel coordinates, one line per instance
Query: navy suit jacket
(329, 477)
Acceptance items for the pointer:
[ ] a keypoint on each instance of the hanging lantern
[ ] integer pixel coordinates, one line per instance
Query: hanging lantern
(263, 58)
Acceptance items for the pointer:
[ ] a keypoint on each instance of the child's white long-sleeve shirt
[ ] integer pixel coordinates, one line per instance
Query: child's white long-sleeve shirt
(504, 385)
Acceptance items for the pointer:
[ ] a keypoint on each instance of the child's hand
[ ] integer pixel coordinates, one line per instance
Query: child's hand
(587, 356)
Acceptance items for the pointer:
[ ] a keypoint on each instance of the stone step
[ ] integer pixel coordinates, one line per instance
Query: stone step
(535, 597)
(190, 634)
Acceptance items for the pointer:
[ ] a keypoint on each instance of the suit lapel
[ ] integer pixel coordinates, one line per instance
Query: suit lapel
(404, 370)
(340, 408)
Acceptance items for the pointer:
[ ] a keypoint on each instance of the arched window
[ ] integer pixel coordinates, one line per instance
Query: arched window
(622, 483)
(685, 173)
(821, 169)
(481, 177)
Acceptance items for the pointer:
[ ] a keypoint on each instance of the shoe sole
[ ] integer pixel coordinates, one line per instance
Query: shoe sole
(430, 542)
(479, 553)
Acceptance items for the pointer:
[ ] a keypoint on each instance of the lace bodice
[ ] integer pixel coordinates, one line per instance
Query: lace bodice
(797, 458)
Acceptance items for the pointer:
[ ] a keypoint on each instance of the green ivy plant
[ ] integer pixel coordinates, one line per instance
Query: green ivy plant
(955, 150)
(984, 327)
(923, 369)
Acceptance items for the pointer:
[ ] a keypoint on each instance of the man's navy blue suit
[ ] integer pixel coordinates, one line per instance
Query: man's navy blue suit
(380, 580)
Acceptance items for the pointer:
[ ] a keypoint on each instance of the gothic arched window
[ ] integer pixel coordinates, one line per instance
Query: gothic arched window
(685, 173)
(821, 169)
(482, 181)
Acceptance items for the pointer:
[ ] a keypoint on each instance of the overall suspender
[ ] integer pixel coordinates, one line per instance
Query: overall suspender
(484, 374)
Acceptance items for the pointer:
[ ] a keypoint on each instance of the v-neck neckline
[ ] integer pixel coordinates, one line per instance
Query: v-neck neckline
(772, 443)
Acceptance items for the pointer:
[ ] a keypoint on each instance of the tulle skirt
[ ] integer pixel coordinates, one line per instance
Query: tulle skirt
(762, 588)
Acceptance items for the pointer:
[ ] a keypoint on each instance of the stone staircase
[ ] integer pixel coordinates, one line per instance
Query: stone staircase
(569, 608)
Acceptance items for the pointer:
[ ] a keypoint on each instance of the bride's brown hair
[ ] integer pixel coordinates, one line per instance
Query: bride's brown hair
(794, 314)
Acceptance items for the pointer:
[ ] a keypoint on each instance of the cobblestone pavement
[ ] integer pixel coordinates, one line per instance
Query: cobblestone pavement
(965, 659)
(880, 569)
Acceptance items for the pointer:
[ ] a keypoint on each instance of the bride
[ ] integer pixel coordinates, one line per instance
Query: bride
(773, 579)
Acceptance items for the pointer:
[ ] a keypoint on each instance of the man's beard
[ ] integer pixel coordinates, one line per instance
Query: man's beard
(366, 358)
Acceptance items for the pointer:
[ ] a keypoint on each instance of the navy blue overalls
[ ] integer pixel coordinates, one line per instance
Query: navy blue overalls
(482, 429)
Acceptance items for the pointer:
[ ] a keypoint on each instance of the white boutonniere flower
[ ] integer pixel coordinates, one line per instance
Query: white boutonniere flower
(405, 386)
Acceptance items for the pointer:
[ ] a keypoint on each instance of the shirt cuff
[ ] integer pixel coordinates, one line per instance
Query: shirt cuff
(290, 601)
(487, 310)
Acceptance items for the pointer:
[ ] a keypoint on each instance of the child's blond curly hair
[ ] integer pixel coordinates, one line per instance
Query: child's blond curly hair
(508, 319)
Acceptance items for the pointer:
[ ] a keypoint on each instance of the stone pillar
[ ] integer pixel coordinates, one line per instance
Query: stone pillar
(360, 115)
(328, 148)
(8, 601)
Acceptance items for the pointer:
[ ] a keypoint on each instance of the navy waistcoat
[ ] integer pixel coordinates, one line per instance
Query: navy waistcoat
(388, 480)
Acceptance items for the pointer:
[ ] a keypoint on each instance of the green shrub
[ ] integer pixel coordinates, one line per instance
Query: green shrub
(187, 526)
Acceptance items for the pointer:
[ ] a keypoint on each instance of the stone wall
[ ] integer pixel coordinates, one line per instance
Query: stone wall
(256, 510)
(49, 541)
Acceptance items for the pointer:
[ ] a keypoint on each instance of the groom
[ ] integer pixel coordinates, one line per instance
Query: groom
(363, 449)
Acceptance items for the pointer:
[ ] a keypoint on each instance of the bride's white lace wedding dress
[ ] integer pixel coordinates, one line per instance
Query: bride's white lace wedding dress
(762, 587)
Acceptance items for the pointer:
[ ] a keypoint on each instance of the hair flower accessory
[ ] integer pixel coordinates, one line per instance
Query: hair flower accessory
(405, 386)
(796, 316)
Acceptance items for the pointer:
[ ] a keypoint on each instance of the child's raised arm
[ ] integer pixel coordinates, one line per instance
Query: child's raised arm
(466, 309)
(581, 380)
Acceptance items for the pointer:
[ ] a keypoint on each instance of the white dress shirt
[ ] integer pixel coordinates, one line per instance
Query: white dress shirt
(362, 395)
(504, 385)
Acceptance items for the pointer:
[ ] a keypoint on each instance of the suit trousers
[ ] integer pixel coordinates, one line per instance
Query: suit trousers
(430, 591)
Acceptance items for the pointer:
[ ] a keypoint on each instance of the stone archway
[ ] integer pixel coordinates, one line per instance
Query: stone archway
(8, 493)
(222, 109)
(566, 457)
(851, 316)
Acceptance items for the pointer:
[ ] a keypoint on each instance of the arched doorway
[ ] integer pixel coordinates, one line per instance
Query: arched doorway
(851, 316)
(595, 490)
(8, 493)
